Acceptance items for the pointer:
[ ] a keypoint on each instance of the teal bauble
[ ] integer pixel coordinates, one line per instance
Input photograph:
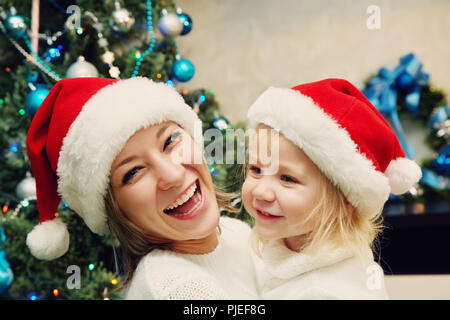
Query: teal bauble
(16, 26)
(187, 23)
(183, 70)
(35, 98)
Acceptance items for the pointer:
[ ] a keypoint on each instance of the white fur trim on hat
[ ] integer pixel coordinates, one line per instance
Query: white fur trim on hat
(326, 143)
(48, 240)
(402, 174)
(100, 131)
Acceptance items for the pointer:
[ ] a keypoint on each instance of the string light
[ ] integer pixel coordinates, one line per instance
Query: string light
(25, 203)
(91, 266)
(5, 208)
(114, 282)
(55, 292)
(185, 92)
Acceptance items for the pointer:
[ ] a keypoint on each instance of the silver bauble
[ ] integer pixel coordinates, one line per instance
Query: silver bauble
(122, 20)
(26, 188)
(170, 25)
(81, 68)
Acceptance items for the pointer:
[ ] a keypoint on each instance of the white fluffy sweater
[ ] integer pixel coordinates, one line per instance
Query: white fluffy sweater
(225, 273)
(331, 274)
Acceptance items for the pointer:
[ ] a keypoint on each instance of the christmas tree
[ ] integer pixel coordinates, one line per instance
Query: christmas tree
(41, 44)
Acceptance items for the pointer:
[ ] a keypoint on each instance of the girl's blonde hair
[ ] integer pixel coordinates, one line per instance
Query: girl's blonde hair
(134, 242)
(335, 221)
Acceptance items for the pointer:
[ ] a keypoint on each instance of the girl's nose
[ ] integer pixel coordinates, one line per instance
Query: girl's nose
(263, 191)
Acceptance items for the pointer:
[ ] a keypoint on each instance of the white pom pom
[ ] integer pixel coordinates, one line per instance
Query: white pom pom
(402, 174)
(49, 240)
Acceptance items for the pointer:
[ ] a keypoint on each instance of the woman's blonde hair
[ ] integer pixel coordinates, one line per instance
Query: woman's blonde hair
(134, 242)
(335, 221)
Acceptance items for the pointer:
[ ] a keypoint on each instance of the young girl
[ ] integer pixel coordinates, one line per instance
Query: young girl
(126, 156)
(317, 200)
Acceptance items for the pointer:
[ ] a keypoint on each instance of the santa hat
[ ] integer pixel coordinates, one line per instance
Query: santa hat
(73, 139)
(344, 135)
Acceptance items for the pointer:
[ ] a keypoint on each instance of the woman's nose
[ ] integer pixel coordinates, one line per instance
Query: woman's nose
(263, 191)
(170, 174)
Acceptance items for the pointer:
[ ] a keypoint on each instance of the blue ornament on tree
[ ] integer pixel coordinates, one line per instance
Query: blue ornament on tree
(187, 23)
(35, 98)
(16, 26)
(183, 70)
(6, 274)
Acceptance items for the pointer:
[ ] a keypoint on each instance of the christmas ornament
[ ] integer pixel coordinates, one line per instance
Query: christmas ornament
(6, 274)
(170, 25)
(186, 21)
(16, 26)
(81, 68)
(121, 20)
(114, 72)
(27, 187)
(35, 98)
(183, 70)
(108, 57)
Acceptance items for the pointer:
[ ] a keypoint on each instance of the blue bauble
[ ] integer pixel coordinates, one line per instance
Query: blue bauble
(405, 82)
(183, 70)
(35, 98)
(16, 26)
(6, 274)
(187, 23)
(54, 55)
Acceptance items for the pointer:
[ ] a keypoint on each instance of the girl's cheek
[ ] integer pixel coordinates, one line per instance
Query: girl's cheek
(247, 187)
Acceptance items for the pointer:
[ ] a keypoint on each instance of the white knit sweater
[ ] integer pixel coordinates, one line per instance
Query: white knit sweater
(331, 274)
(225, 273)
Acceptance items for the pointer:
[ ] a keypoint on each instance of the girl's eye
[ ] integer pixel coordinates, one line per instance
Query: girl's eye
(173, 137)
(130, 174)
(286, 178)
(255, 170)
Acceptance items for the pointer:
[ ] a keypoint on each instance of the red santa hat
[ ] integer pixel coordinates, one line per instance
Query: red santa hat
(344, 135)
(75, 136)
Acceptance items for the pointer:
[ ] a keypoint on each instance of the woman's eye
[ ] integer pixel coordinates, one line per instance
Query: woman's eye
(286, 178)
(173, 137)
(130, 174)
(255, 170)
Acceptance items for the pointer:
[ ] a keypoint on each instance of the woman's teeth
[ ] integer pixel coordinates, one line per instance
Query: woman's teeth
(184, 198)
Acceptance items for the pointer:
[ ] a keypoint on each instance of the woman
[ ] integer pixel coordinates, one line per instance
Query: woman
(127, 157)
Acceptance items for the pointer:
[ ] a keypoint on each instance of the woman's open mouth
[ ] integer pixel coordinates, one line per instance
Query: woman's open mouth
(188, 204)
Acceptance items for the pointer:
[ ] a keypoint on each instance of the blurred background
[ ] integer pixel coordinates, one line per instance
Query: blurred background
(221, 55)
